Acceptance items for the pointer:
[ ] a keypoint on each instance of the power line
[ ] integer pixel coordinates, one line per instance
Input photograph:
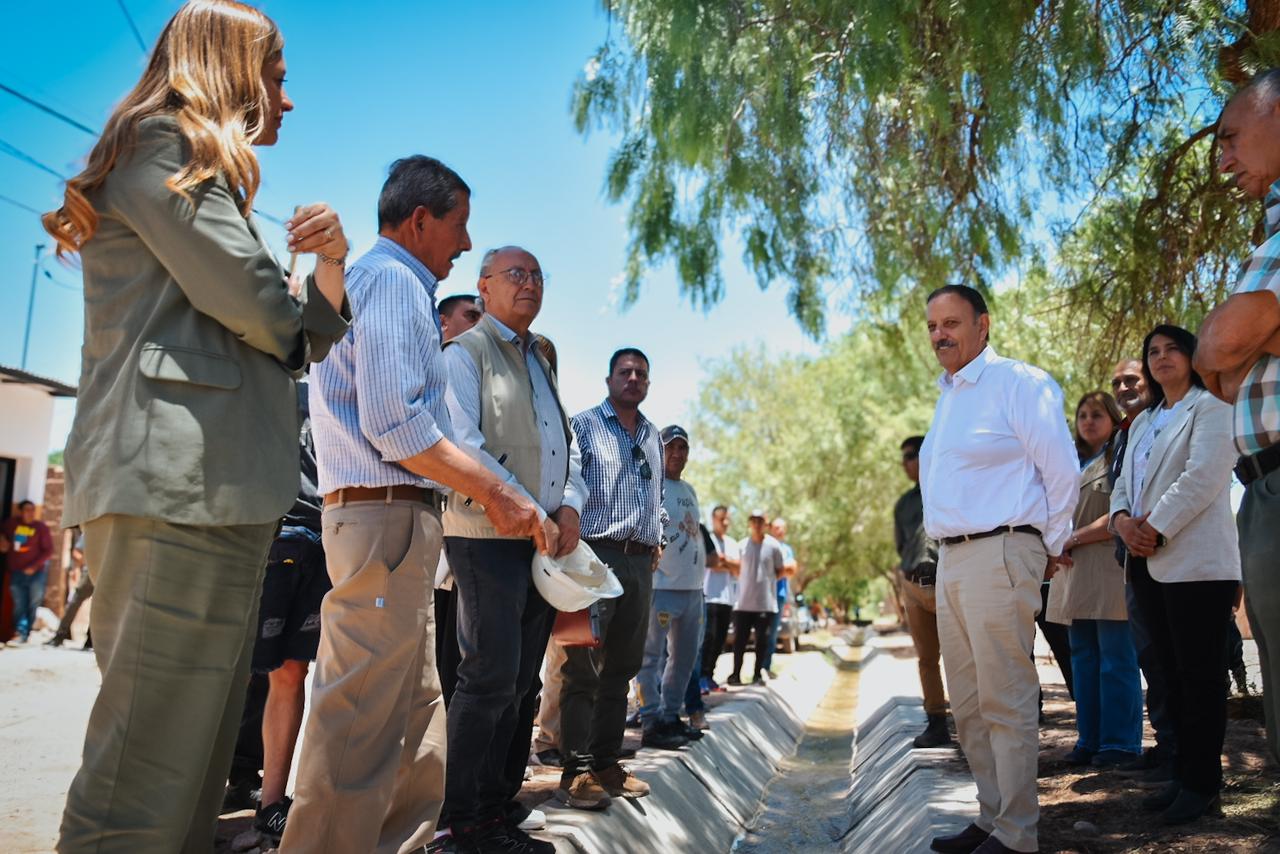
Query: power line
(62, 285)
(45, 108)
(18, 204)
(137, 35)
(14, 151)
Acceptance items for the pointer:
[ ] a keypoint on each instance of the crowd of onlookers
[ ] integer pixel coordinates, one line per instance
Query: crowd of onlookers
(1117, 537)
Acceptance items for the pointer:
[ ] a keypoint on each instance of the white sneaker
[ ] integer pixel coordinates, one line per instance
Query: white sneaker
(536, 820)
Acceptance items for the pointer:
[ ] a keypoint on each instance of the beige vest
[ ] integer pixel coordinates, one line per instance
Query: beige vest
(507, 421)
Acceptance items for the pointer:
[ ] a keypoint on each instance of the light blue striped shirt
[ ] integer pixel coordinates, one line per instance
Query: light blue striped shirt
(621, 503)
(379, 396)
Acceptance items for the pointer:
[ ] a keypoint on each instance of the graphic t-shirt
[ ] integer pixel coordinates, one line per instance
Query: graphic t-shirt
(683, 559)
(722, 587)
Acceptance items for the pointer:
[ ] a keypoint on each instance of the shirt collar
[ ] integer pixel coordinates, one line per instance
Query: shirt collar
(405, 257)
(509, 334)
(1272, 205)
(609, 412)
(971, 372)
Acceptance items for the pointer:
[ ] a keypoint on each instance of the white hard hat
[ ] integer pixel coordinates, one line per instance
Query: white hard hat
(574, 581)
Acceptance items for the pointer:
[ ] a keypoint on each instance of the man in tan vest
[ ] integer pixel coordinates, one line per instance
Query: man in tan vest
(506, 413)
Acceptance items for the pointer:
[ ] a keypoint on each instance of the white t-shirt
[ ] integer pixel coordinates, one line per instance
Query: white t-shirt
(721, 587)
(758, 579)
(684, 557)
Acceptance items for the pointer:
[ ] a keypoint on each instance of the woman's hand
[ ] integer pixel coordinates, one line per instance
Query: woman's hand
(1139, 537)
(317, 229)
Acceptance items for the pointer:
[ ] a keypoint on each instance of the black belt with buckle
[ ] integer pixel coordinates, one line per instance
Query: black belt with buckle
(922, 577)
(627, 547)
(1259, 465)
(994, 532)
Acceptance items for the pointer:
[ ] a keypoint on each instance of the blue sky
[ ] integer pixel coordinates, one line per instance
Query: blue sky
(483, 86)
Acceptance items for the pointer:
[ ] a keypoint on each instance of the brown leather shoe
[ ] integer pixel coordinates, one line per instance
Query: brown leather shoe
(621, 783)
(582, 791)
(964, 842)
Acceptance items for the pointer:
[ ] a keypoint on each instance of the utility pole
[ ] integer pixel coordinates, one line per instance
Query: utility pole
(31, 304)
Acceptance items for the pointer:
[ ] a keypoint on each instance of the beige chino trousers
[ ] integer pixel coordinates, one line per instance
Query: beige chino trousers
(371, 774)
(988, 597)
(549, 708)
(175, 610)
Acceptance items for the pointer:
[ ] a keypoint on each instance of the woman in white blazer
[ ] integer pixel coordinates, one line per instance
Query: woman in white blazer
(1171, 507)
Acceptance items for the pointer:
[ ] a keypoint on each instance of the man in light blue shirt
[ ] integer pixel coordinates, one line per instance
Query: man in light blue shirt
(371, 777)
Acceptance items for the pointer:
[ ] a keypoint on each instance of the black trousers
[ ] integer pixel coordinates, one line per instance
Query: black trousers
(744, 622)
(448, 655)
(502, 635)
(717, 629)
(593, 699)
(1188, 624)
(521, 740)
(1059, 640)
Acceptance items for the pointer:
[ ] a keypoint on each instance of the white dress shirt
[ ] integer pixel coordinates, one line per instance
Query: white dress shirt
(999, 453)
(463, 401)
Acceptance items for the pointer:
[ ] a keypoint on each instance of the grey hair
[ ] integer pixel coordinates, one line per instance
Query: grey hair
(490, 254)
(1264, 88)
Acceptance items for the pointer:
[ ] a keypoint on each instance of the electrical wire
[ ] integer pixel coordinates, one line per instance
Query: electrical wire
(18, 204)
(45, 108)
(13, 151)
(137, 35)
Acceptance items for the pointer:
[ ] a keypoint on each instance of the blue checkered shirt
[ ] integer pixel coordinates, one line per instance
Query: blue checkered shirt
(1257, 409)
(379, 395)
(621, 503)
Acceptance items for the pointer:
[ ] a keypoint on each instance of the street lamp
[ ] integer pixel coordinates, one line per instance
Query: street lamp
(31, 305)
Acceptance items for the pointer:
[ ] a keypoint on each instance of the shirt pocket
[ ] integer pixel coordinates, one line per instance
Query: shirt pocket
(183, 364)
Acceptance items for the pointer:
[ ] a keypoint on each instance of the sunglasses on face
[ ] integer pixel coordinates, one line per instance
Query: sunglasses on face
(637, 454)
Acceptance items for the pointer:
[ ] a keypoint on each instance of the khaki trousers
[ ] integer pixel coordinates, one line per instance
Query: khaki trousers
(549, 709)
(922, 621)
(989, 595)
(371, 774)
(175, 611)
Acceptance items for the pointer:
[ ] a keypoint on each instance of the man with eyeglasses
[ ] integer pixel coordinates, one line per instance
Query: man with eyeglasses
(622, 521)
(919, 556)
(506, 414)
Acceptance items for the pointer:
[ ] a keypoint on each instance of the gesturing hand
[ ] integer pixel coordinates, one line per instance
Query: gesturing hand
(316, 228)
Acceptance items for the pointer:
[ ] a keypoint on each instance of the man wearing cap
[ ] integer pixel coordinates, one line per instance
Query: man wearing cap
(762, 564)
(999, 479)
(622, 521)
(675, 619)
(506, 413)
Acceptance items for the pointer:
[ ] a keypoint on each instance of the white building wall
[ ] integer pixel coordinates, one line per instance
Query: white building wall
(26, 414)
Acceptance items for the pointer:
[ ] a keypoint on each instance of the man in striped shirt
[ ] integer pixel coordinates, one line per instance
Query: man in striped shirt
(622, 521)
(371, 778)
(1238, 356)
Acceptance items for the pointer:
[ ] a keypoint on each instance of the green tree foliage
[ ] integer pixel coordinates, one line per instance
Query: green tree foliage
(895, 146)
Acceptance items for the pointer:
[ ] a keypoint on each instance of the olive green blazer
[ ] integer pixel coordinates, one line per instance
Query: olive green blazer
(187, 409)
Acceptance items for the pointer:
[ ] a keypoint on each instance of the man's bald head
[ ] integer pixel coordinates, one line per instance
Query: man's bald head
(511, 285)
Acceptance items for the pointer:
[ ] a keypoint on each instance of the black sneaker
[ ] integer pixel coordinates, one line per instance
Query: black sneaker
(735, 679)
(664, 736)
(447, 845)
(246, 795)
(627, 753)
(55, 641)
(270, 819)
(551, 758)
(690, 732)
(499, 837)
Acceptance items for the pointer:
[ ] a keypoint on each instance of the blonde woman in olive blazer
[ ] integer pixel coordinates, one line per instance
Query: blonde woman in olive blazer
(1171, 506)
(183, 453)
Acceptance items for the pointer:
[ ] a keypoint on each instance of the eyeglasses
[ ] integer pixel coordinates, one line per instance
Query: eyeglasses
(519, 276)
(637, 454)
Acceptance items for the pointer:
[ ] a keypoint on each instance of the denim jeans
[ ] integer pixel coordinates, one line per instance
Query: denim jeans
(28, 594)
(675, 627)
(1108, 687)
(502, 635)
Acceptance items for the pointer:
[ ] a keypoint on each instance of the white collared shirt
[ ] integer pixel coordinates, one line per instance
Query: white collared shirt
(999, 453)
(463, 400)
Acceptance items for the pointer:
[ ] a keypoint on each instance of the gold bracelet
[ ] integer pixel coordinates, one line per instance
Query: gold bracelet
(333, 262)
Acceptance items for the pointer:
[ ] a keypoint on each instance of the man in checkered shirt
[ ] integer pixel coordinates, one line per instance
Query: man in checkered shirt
(1239, 358)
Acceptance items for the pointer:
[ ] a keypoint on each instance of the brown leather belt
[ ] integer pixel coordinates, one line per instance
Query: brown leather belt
(387, 494)
(627, 547)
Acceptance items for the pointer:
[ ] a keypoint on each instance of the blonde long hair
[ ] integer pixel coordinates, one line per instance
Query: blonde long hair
(205, 71)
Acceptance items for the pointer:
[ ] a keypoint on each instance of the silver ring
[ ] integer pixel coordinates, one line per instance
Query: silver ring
(328, 232)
